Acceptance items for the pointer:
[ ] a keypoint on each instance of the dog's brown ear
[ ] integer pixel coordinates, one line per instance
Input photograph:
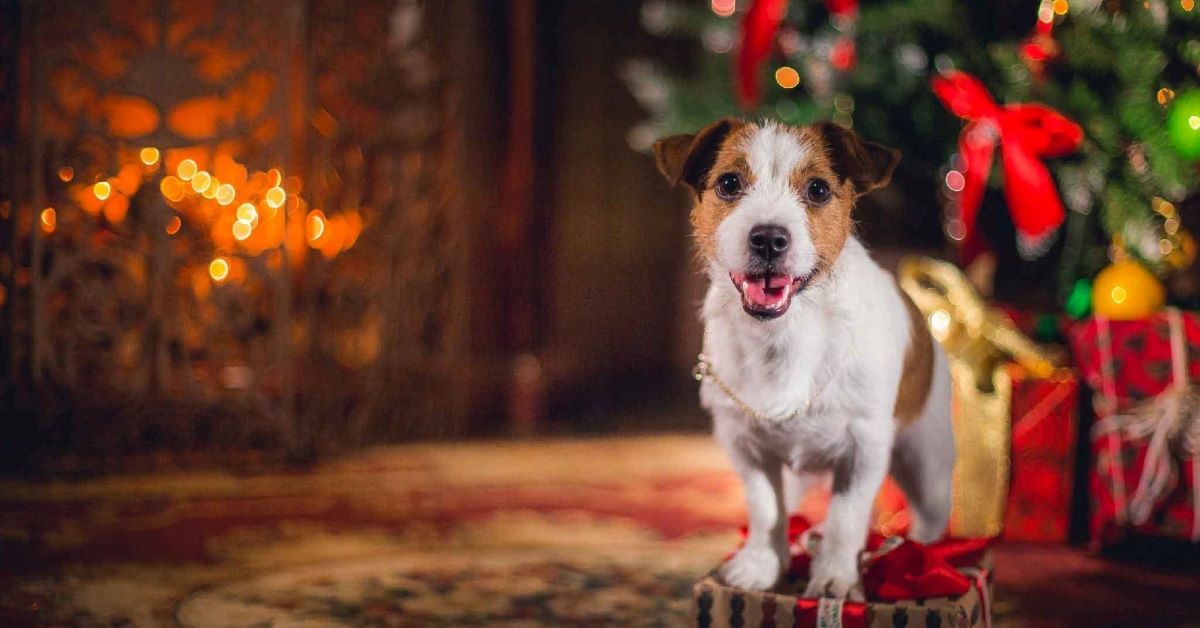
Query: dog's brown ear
(688, 158)
(868, 165)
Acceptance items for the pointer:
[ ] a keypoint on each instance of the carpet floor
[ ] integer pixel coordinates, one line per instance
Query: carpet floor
(567, 532)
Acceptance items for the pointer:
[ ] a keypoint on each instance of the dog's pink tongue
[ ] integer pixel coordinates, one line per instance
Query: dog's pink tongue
(767, 292)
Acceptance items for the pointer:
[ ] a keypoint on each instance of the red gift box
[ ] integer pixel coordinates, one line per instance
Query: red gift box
(947, 583)
(1146, 475)
(1042, 459)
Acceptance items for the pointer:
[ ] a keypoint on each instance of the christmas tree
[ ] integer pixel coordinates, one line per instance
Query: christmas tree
(1080, 120)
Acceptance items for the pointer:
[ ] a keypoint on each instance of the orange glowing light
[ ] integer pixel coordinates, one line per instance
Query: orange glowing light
(116, 208)
(149, 155)
(173, 225)
(66, 173)
(102, 189)
(214, 186)
(128, 179)
(218, 269)
(723, 8)
(275, 176)
(171, 188)
(49, 220)
(246, 212)
(316, 225)
(275, 197)
(787, 77)
(241, 230)
(201, 181)
(186, 169)
(226, 194)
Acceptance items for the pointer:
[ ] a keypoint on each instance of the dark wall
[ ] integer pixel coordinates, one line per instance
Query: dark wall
(616, 235)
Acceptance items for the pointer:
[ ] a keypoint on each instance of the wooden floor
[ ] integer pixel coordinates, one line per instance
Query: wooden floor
(639, 516)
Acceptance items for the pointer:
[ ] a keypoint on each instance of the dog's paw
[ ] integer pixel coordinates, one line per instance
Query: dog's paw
(756, 568)
(835, 578)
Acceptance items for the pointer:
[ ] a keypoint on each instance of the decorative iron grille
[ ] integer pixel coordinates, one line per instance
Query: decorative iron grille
(230, 227)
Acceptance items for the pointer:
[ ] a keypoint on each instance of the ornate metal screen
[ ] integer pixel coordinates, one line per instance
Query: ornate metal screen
(231, 214)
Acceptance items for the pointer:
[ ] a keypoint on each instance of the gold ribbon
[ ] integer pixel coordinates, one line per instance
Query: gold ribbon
(980, 344)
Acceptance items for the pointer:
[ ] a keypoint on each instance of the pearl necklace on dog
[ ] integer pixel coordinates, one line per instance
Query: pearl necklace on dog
(704, 370)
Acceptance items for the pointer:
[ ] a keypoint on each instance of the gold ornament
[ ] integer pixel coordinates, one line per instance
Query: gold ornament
(1125, 291)
(980, 343)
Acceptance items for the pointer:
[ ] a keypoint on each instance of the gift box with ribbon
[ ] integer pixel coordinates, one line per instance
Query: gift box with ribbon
(905, 583)
(1146, 443)
(1042, 457)
(1014, 411)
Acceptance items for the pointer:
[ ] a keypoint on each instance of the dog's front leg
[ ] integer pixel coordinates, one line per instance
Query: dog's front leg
(760, 562)
(856, 480)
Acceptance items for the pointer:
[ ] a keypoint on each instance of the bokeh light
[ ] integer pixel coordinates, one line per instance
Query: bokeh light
(275, 197)
(315, 225)
(241, 230)
(787, 77)
(186, 169)
(723, 8)
(102, 190)
(218, 269)
(49, 219)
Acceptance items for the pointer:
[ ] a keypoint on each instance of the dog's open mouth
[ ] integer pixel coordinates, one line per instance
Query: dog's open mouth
(768, 295)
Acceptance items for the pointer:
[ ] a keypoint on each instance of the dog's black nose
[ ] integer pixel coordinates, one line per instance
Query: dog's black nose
(769, 241)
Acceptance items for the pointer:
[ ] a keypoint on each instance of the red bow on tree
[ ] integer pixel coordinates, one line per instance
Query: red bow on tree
(758, 36)
(1027, 133)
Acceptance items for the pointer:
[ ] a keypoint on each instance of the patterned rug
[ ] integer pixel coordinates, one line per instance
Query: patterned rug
(597, 532)
(588, 532)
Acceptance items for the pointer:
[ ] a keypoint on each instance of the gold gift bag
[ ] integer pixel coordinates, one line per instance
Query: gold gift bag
(979, 341)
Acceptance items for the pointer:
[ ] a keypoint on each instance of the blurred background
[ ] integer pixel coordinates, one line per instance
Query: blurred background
(293, 285)
(463, 242)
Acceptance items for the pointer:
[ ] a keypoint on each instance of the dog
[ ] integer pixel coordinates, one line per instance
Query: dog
(814, 360)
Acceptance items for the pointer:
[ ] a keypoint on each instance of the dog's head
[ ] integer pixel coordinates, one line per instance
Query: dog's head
(773, 202)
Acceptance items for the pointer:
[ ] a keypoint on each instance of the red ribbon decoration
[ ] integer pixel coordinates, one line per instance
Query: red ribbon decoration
(901, 569)
(809, 610)
(758, 35)
(1027, 133)
(842, 8)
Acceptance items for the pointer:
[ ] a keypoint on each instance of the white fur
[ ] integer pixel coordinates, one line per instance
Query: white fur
(840, 348)
(772, 154)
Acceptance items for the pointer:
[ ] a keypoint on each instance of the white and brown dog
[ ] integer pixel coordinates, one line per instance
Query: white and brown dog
(816, 361)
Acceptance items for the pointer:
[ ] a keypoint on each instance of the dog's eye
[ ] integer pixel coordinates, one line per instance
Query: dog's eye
(729, 186)
(818, 191)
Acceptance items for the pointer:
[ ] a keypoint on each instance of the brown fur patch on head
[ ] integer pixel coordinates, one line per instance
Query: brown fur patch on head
(710, 210)
(688, 158)
(829, 225)
(917, 375)
(849, 164)
(866, 165)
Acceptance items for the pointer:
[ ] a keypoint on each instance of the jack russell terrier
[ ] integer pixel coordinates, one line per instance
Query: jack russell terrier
(813, 358)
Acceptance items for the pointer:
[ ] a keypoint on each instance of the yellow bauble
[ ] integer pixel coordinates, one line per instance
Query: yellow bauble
(1127, 291)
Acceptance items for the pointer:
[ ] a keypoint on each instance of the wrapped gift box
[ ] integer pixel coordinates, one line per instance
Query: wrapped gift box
(1119, 464)
(1042, 459)
(1144, 478)
(1014, 411)
(956, 574)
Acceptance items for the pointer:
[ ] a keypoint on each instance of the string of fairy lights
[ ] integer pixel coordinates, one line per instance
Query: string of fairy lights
(241, 212)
